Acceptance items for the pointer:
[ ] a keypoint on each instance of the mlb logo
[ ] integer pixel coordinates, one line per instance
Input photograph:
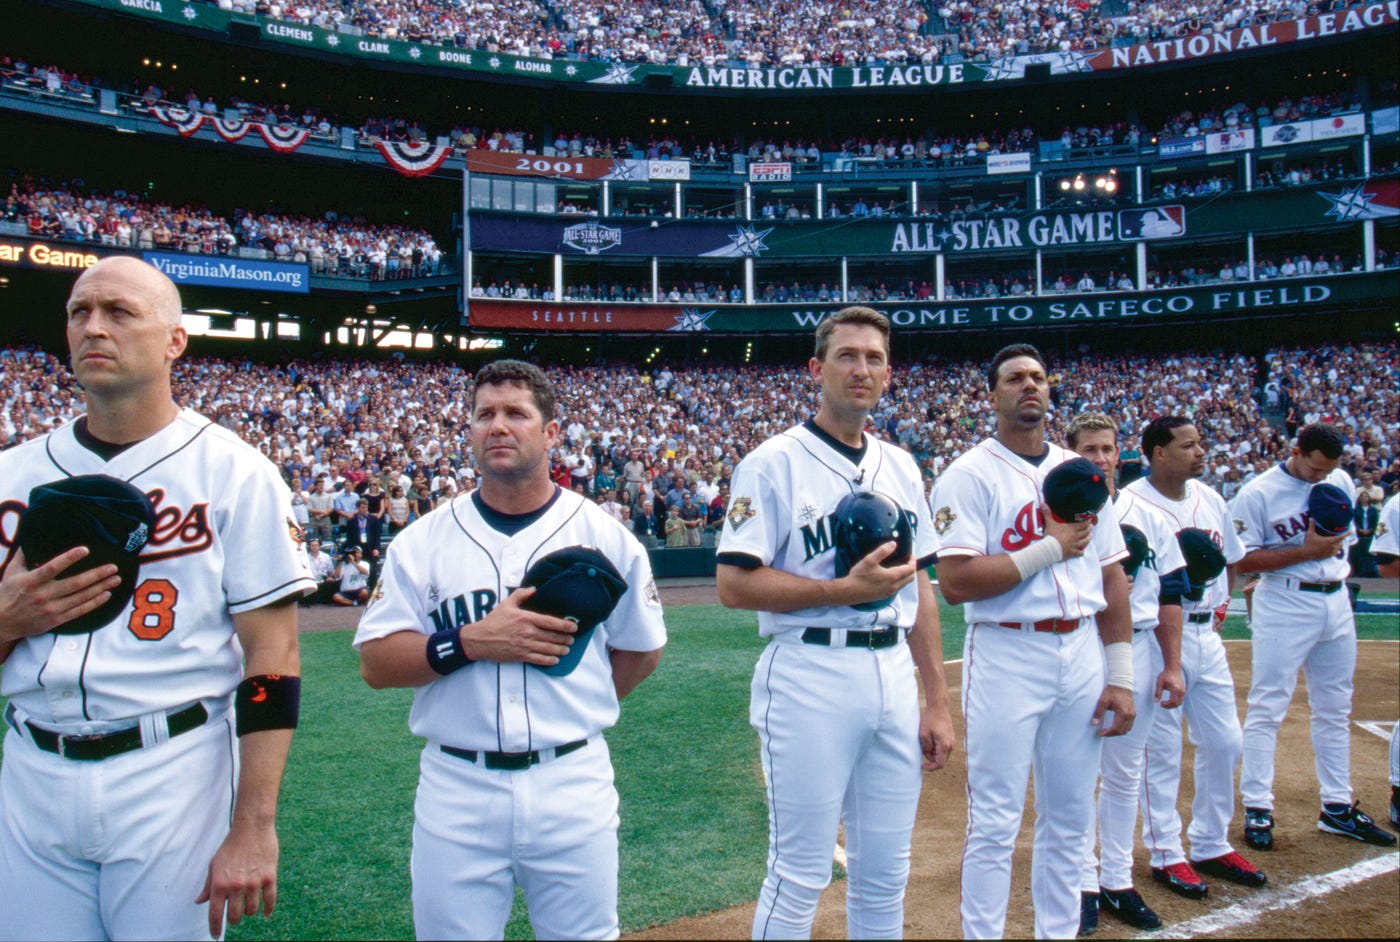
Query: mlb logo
(1159, 222)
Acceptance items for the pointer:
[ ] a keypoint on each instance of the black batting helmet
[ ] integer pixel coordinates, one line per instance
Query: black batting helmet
(865, 521)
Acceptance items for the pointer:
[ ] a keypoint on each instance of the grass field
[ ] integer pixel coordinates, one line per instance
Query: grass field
(694, 827)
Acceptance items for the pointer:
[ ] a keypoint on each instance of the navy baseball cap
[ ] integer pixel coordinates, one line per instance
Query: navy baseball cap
(1330, 509)
(1075, 491)
(577, 583)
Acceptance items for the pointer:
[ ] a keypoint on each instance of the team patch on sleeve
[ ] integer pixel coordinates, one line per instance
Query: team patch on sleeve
(1240, 526)
(297, 534)
(943, 520)
(378, 591)
(741, 511)
(652, 595)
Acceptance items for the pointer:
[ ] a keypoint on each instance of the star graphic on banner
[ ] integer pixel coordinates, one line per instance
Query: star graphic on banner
(571, 70)
(1075, 61)
(999, 70)
(415, 52)
(1352, 203)
(617, 74)
(691, 320)
(943, 236)
(627, 170)
(332, 40)
(808, 513)
(188, 13)
(749, 242)
(494, 62)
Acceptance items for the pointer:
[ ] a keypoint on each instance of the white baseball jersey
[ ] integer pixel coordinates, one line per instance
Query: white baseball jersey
(1271, 512)
(225, 542)
(451, 568)
(988, 502)
(1164, 556)
(1205, 509)
(782, 513)
(1387, 538)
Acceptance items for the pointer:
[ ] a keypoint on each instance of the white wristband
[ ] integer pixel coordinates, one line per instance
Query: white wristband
(1043, 552)
(1118, 657)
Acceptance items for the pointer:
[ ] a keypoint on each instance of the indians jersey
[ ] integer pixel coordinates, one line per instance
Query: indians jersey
(782, 513)
(1205, 509)
(988, 502)
(1271, 512)
(1387, 538)
(225, 541)
(452, 568)
(1163, 556)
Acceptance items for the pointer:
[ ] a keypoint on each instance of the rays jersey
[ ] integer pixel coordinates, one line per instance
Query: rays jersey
(452, 568)
(1201, 507)
(1164, 556)
(1271, 512)
(782, 514)
(987, 502)
(225, 541)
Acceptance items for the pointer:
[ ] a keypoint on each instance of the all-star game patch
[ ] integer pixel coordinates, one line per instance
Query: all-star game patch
(740, 511)
(297, 533)
(943, 520)
(652, 595)
(378, 591)
(1241, 526)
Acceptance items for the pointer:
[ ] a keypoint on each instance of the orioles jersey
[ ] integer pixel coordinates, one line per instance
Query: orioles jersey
(1205, 509)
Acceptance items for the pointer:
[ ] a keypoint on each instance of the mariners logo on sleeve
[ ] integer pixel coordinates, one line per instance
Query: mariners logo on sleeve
(943, 520)
(741, 511)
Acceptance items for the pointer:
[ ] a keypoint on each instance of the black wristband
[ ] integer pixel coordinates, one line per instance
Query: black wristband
(267, 701)
(445, 653)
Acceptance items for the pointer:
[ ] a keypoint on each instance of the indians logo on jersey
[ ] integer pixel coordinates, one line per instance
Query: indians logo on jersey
(1029, 526)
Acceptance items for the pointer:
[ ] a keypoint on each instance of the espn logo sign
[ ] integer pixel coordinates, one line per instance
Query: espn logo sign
(770, 173)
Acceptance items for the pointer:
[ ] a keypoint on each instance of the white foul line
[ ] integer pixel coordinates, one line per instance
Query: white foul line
(1241, 914)
(1377, 729)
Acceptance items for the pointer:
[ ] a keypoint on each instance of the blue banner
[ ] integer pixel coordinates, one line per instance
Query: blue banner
(231, 272)
(1177, 146)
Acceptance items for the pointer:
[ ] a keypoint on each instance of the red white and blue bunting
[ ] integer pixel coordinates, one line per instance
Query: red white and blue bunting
(181, 119)
(283, 140)
(234, 130)
(414, 160)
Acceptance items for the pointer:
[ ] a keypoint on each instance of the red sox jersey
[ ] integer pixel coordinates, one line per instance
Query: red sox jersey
(782, 513)
(1387, 538)
(1201, 507)
(1164, 556)
(452, 568)
(1271, 512)
(987, 502)
(225, 541)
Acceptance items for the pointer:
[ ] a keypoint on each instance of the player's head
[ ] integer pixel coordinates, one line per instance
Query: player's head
(516, 373)
(124, 328)
(1094, 435)
(1012, 352)
(513, 427)
(1173, 448)
(1019, 386)
(852, 363)
(1317, 452)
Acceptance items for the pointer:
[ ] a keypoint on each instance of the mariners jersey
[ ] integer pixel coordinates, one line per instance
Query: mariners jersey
(1205, 509)
(988, 502)
(452, 568)
(782, 514)
(1387, 538)
(1163, 556)
(1271, 512)
(225, 541)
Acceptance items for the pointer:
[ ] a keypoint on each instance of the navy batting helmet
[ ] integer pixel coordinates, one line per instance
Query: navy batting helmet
(1204, 560)
(580, 584)
(1138, 549)
(865, 521)
(1330, 509)
(112, 518)
(1075, 491)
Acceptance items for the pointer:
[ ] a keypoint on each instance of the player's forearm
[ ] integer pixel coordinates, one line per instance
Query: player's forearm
(975, 578)
(397, 660)
(766, 589)
(630, 668)
(1269, 560)
(926, 645)
(1168, 632)
(262, 758)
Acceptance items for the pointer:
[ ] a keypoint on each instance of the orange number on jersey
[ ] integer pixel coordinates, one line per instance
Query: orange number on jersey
(153, 616)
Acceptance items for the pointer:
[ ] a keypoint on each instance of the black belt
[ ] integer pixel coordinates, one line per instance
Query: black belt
(106, 745)
(513, 761)
(884, 638)
(1326, 588)
(1200, 618)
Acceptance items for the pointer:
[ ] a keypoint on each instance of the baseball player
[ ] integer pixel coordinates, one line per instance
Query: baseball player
(1176, 458)
(834, 699)
(516, 784)
(119, 816)
(1302, 618)
(1158, 585)
(1034, 589)
(1386, 548)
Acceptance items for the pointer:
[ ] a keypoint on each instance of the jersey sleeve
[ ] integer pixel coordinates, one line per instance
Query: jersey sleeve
(1234, 546)
(1107, 540)
(1387, 539)
(1247, 518)
(960, 514)
(264, 561)
(637, 624)
(396, 604)
(758, 506)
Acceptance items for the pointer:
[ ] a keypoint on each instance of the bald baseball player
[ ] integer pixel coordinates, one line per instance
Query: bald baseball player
(1302, 619)
(834, 700)
(1038, 596)
(516, 782)
(138, 794)
(1158, 584)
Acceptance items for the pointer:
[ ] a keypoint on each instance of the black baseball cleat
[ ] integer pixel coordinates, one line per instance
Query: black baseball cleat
(1232, 867)
(1128, 906)
(1088, 914)
(1348, 821)
(1259, 828)
(1181, 879)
